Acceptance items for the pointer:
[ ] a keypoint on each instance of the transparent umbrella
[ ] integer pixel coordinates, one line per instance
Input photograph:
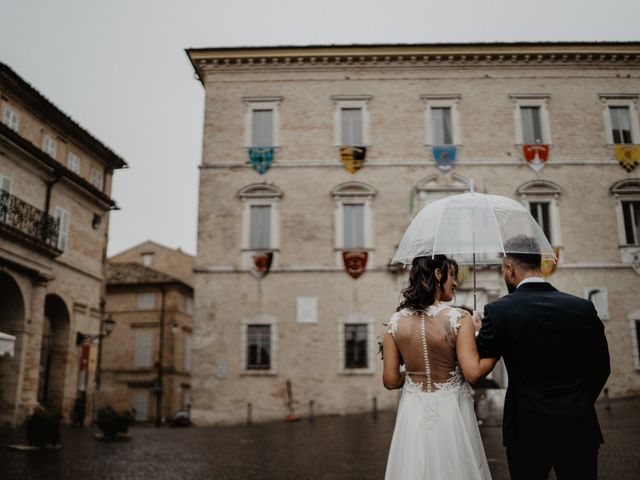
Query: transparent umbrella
(473, 228)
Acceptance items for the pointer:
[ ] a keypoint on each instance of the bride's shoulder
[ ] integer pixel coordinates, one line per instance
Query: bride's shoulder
(395, 318)
(456, 316)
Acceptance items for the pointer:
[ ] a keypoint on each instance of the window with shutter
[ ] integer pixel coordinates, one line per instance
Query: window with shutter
(352, 126)
(63, 231)
(49, 145)
(73, 163)
(353, 215)
(442, 127)
(260, 227)
(531, 125)
(146, 300)
(187, 353)
(142, 354)
(262, 128)
(620, 124)
(10, 118)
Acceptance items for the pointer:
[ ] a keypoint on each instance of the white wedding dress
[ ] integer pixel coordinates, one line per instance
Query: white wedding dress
(436, 434)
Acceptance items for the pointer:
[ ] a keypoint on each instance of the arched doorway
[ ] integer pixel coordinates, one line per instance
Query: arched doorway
(53, 354)
(11, 322)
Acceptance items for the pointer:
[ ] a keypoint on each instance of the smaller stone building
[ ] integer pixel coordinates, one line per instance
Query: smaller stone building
(147, 359)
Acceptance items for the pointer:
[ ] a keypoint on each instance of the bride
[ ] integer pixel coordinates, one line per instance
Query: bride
(436, 434)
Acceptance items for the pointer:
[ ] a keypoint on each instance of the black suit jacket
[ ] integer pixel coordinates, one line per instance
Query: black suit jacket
(556, 355)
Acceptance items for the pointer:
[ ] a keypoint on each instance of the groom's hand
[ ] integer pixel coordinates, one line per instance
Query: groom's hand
(477, 321)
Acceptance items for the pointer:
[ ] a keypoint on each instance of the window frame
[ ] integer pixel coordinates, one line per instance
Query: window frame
(361, 102)
(97, 178)
(49, 145)
(145, 304)
(259, 194)
(429, 187)
(64, 227)
(260, 319)
(356, 319)
(432, 102)
(136, 363)
(620, 100)
(187, 348)
(262, 103)
(11, 118)
(541, 100)
(545, 191)
(74, 163)
(626, 190)
(349, 193)
(634, 322)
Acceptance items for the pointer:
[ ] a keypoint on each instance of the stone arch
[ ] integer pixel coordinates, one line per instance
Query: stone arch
(260, 190)
(54, 352)
(12, 316)
(539, 187)
(353, 189)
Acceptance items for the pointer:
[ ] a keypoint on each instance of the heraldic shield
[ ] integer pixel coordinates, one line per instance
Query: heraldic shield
(355, 262)
(353, 157)
(444, 156)
(261, 158)
(628, 156)
(261, 264)
(548, 265)
(536, 155)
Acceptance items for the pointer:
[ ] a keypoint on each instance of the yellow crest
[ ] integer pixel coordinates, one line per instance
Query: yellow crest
(548, 265)
(353, 158)
(628, 156)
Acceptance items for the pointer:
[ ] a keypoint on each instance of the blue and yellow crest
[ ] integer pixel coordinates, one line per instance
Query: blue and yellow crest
(444, 155)
(261, 158)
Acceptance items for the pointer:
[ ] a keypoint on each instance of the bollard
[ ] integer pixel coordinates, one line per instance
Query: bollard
(249, 413)
(311, 417)
(375, 407)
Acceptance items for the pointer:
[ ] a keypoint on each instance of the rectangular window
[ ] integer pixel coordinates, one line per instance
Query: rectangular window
(142, 343)
(73, 163)
(146, 300)
(540, 211)
(531, 125)
(442, 128)
(10, 118)
(262, 128)
(260, 227)
(5, 183)
(620, 124)
(258, 347)
(351, 126)
(188, 306)
(187, 353)
(140, 404)
(147, 258)
(63, 231)
(355, 344)
(631, 215)
(49, 145)
(96, 178)
(353, 214)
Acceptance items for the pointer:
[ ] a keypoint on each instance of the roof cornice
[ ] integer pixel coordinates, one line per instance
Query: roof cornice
(433, 55)
(40, 106)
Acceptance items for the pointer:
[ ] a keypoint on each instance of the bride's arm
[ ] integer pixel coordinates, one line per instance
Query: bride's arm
(391, 376)
(473, 367)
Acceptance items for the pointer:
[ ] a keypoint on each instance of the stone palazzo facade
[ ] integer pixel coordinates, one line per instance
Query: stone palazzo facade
(316, 158)
(55, 186)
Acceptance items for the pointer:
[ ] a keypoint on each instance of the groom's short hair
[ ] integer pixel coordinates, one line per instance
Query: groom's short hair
(524, 251)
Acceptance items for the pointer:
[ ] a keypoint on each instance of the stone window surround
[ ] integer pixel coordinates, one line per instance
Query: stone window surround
(349, 193)
(625, 190)
(49, 145)
(357, 318)
(262, 103)
(635, 348)
(97, 178)
(351, 101)
(11, 118)
(259, 319)
(65, 220)
(259, 194)
(74, 163)
(428, 185)
(531, 100)
(545, 191)
(629, 100)
(442, 101)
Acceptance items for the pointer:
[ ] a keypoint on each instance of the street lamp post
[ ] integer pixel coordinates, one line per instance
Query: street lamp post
(106, 327)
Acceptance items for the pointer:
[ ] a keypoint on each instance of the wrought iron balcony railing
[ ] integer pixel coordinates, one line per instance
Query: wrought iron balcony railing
(28, 220)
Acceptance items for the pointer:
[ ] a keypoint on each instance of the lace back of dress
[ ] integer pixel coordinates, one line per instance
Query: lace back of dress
(426, 341)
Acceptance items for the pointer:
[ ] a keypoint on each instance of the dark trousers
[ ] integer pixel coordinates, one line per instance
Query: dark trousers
(534, 463)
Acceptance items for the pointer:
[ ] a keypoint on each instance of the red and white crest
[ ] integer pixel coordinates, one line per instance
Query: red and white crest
(536, 155)
(355, 262)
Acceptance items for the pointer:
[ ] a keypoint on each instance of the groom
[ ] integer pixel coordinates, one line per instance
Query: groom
(557, 359)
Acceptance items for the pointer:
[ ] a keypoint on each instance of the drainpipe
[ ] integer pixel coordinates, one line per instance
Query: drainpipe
(159, 385)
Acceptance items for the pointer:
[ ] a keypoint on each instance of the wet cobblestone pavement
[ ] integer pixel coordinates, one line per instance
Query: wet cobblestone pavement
(352, 447)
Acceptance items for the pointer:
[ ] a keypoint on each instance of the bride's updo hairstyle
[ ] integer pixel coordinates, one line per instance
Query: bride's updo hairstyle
(423, 283)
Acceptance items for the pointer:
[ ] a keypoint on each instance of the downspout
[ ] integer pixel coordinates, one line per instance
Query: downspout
(47, 205)
(159, 384)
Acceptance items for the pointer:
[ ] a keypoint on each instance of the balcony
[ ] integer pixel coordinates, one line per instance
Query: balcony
(28, 224)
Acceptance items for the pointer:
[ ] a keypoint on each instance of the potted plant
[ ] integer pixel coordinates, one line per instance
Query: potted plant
(113, 423)
(43, 428)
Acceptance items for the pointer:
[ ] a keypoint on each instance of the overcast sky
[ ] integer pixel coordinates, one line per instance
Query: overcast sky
(118, 68)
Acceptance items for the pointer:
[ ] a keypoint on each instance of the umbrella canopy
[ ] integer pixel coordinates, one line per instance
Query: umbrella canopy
(470, 227)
